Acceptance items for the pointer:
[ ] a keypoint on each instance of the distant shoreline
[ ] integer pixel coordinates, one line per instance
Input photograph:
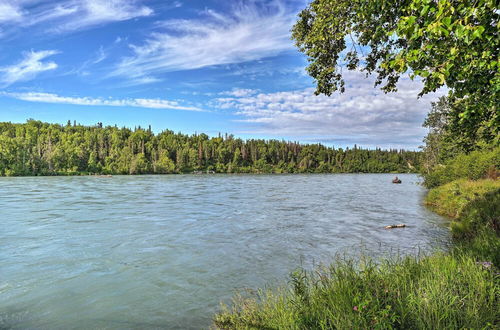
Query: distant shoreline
(38, 148)
(195, 174)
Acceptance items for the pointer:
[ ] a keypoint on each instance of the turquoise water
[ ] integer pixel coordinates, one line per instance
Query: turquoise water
(146, 252)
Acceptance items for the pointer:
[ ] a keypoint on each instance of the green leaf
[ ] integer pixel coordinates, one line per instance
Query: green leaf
(440, 76)
(459, 31)
(478, 32)
(425, 10)
(447, 21)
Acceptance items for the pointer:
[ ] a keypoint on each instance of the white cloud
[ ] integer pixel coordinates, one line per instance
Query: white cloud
(250, 32)
(101, 56)
(89, 101)
(29, 67)
(141, 81)
(95, 12)
(362, 114)
(69, 15)
(49, 13)
(9, 12)
(240, 92)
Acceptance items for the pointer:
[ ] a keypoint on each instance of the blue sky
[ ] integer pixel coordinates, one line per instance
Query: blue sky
(191, 66)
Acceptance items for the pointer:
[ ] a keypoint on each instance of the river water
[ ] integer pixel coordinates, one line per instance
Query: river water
(146, 252)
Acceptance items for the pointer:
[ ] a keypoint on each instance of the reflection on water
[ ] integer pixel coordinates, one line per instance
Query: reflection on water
(162, 251)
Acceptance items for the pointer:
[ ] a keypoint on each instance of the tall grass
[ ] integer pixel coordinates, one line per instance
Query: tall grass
(436, 292)
(454, 198)
(474, 211)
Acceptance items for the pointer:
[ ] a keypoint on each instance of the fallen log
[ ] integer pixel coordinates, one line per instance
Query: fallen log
(395, 226)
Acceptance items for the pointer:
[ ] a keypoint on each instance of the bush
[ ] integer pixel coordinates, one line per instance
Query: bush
(473, 166)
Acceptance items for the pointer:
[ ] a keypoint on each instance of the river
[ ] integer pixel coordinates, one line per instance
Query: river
(146, 252)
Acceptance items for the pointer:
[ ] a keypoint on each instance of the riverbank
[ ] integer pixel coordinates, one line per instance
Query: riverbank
(457, 289)
(474, 211)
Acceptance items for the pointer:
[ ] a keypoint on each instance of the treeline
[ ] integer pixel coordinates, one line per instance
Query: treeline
(37, 148)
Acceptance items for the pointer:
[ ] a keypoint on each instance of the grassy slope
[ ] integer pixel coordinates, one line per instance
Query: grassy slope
(452, 199)
(474, 209)
(455, 290)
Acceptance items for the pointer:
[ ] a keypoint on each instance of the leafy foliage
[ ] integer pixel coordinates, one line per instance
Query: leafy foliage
(473, 166)
(448, 156)
(445, 43)
(37, 148)
(440, 143)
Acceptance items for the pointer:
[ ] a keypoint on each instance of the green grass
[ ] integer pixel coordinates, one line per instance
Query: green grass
(453, 198)
(454, 290)
(439, 292)
(474, 211)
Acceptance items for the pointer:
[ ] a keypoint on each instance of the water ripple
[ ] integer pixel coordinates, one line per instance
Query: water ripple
(162, 251)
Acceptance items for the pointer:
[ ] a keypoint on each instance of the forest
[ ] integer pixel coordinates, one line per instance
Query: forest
(37, 148)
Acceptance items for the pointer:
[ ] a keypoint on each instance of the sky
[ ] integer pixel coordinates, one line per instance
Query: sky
(191, 66)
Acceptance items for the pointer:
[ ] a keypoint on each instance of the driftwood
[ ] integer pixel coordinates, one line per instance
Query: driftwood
(402, 225)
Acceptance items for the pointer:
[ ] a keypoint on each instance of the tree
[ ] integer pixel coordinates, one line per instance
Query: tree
(437, 146)
(451, 43)
(164, 164)
(37, 148)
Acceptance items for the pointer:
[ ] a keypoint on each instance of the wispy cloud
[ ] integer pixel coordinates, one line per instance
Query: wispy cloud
(99, 56)
(9, 12)
(361, 115)
(89, 101)
(95, 12)
(251, 31)
(29, 67)
(69, 15)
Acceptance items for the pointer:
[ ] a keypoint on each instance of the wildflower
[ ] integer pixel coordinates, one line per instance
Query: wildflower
(485, 264)
(355, 308)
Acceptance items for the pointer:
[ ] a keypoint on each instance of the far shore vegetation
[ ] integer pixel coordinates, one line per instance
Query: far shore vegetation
(37, 148)
(443, 43)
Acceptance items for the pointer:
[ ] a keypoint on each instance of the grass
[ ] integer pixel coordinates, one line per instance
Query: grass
(474, 211)
(453, 198)
(458, 289)
(439, 291)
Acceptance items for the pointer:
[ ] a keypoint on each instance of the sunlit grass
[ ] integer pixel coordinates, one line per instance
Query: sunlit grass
(439, 291)
(452, 199)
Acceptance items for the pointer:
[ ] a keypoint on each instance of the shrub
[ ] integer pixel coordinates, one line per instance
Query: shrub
(473, 166)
